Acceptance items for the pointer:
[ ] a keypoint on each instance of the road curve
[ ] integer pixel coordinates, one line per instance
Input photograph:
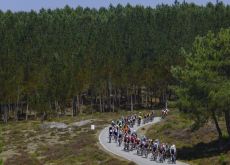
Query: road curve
(131, 155)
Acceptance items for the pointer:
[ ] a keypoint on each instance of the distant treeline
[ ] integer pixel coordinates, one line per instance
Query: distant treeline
(107, 58)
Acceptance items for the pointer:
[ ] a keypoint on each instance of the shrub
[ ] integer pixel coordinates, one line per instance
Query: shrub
(223, 160)
(172, 104)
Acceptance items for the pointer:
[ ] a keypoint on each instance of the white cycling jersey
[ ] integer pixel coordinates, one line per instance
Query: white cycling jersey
(173, 147)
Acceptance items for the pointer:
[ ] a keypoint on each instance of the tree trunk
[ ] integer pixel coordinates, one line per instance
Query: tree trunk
(72, 107)
(91, 104)
(131, 102)
(216, 124)
(119, 99)
(227, 121)
(51, 109)
(9, 109)
(142, 98)
(82, 100)
(27, 111)
(127, 97)
(162, 98)
(43, 117)
(100, 103)
(151, 99)
(135, 97)
(115, 97)
(110, 104)
(103, 104)
(56, 108)
(78, 104)
(155, 99)
(169, 94)
(16, 112)
(5, 116)
(74, 110)
(2, 112)
(146, 98)
(113, 104)
(166, 104)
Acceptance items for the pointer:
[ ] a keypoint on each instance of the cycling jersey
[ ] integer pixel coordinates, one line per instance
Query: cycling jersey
(110, 131)
(146, 145)
(155, 146)
(115, 132)
(138, 141)
(173, 150)
(132, 139)
(120, 135)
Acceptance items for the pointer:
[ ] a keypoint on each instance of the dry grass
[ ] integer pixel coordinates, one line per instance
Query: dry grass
(26, 143)
(22, 159)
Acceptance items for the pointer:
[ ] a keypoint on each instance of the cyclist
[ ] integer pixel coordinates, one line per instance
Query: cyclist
(161, 153)
(155, 149)
(173, 153)
(110, 133)
(120, 135)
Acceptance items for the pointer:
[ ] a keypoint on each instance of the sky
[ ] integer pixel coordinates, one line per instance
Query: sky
(27, 5)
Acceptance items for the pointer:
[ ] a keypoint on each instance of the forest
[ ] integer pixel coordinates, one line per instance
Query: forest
(113, 58)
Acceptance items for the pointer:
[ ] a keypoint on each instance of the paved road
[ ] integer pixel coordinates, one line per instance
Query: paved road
(131, 155)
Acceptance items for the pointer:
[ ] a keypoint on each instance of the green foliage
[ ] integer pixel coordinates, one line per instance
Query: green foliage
(172, 104)
(204, 80)
(53, 55)
(223, 159)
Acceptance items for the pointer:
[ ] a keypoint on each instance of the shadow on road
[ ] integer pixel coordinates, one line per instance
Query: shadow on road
(202, 150)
